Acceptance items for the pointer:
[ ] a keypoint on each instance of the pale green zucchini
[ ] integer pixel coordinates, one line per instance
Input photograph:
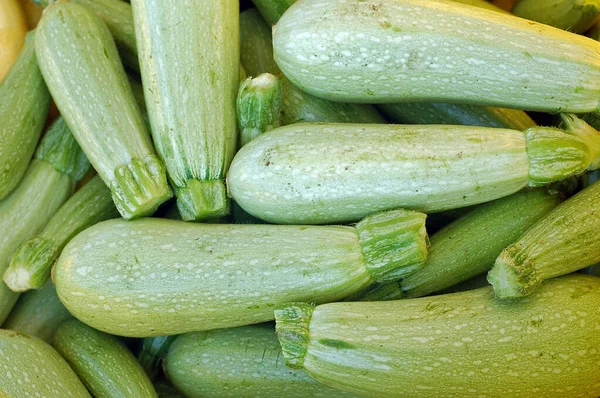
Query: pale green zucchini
(24, 103)
(573, 15)
(258, 106)
(564, 241)
(324, 173)
(256, 44)
(32, 261)
(411, 50)
(102, 362)
(238, 362)
(38, 313)
(81, 66)
(185, 50)
(444, 113)
(152, 353)
(30, 367)
(467, 344)
(155, 277)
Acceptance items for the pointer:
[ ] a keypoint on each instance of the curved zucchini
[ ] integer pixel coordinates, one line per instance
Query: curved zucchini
(162, 277)
(97, 102)
(24, 104)
(411, 50)
(13, 28)
(238, 362)
(573, 15)
(467, 344)
(30, 367)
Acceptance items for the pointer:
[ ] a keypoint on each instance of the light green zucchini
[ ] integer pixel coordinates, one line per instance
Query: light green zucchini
(152, 353)
(411, 51)
(32, 261)
(238, 362)
(444, 113)
(467, 344)
(38, 313)
(258, 106)
(102, 362)
(272, 10)
(325, 173)
(573, 15)
(24, 103)
(30, 367)
(163, 277)
(256, 44)
(81, 66)
(185, 50)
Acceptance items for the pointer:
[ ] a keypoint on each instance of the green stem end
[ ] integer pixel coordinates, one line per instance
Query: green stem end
(292, 326)
(31, 264)
(511, 277)
(202, 200)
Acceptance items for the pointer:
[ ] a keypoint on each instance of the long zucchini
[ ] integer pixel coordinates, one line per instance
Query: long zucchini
(24, 103)
(325, 173)
(572, 15)
(467, 344)
(13, 28)
(81, 66)
(411, 50)
(157, 277)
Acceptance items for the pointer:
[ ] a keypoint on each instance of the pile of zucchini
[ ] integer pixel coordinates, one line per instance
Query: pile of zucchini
(300, 198)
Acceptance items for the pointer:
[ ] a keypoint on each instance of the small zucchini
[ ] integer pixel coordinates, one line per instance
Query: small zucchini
(573, 15)
(155, 277)
(102, 362)
(97, 102)
(24, 103)
(467, 344)
(258, 106)
(31, 367)
(238, 362)
(411, 51)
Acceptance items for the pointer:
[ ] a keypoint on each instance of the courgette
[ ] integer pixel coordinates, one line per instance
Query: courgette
(81, 66)
(317, 173)
(13, 28)
(156, 277)
(102, 362)
(411, 51)
(24, 103)
(258, 106)
(467, 344)
(30, 367)
(256, 44)
(573, 15)
(272, 10)
(152, 353)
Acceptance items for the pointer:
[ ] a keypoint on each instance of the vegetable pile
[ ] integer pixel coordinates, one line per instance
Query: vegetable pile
(300, 198)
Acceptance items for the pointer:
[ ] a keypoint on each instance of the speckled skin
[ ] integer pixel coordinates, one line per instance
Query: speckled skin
(29, 368)
(462, 345)
(409, 50)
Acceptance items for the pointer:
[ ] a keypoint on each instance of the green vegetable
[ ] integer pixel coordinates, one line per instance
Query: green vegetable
(38, 313)
(153, 351)
(238, 362)
(258, 105)
(185, 50)
(30, 367)
(467, 344)
(102, 362)
(482, 4)
(573, 15)
(256, 44)
(272, 10)
(32, 261)
(411, 51)
(156, 277)
(24, 102)
(327, 173)
(80, 64)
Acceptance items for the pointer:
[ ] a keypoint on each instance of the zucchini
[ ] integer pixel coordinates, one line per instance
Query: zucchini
(238, 362)
(185, 50)
(38, 313)
(258, 106)
(256, 44)
(416, 53)
(96, 100)
(152, 353)
(272, 10)
(573, 15)
(24, 103)
(302, 174)
(467, 344)
(155, 277)
(12, 34)
(30, 367)
(32, 261)
(102, 362)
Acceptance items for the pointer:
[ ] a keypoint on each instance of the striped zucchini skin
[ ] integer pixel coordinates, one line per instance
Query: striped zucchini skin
(81, 65)
(102, 362)
(186, 51)
(467, 344)
(415, 53)
(572, 15)
(238, 362)
(24, 103)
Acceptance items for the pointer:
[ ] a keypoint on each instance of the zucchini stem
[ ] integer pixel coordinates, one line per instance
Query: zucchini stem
(292, 326)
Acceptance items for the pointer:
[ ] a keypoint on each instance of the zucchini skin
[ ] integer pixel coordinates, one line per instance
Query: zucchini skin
(31, 366)
(573, 15)
(508, 66)
(256, 44)
(102, 362)
(152, 353)
(467, 344)
(272, 10)
(238, 362)
(24, 104)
